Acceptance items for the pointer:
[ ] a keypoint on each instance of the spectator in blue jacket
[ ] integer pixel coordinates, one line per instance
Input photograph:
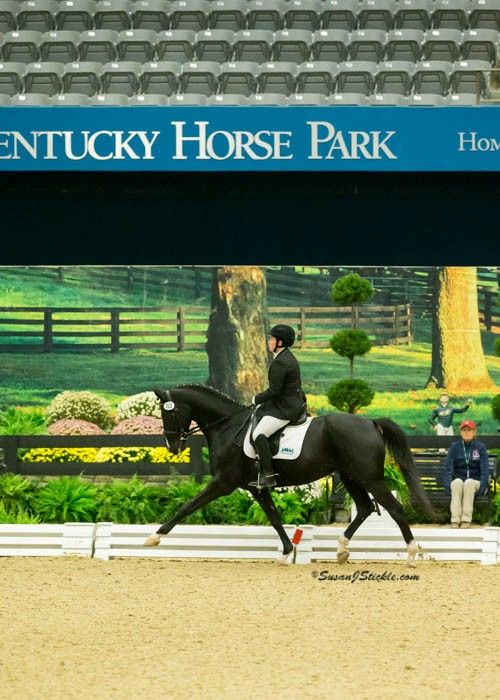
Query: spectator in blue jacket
(465, 473)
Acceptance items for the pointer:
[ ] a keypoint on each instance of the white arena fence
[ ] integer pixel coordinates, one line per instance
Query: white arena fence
(318, 543)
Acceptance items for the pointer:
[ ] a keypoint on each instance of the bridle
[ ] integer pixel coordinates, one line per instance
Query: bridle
(170, 407)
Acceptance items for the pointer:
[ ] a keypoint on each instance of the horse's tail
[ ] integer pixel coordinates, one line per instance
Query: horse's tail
(395, 440)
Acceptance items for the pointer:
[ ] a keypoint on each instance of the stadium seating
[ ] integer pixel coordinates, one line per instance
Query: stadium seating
(373, 52)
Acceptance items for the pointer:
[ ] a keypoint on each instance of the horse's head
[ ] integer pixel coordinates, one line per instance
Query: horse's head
(176, 417)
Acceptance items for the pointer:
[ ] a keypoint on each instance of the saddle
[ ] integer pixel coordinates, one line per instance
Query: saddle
(284, 443)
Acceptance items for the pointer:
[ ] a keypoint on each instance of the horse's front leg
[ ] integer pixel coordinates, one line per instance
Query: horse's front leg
(215, 489)
(266, 502)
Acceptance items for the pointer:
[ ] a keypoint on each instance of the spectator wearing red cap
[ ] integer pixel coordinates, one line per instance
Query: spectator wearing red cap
(465, 473)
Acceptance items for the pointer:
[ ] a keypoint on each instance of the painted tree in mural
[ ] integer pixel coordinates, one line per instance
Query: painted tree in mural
(236, 344)
(457, 353)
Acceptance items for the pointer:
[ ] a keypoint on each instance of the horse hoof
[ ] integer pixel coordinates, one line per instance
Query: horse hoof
(285, 559)
(412, 563)
(152, 541)
(342, 557)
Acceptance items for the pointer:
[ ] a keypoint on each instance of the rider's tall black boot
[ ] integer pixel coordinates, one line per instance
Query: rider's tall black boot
(266, 476)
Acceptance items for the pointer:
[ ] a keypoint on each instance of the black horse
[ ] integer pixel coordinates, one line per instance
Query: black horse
(348, 444)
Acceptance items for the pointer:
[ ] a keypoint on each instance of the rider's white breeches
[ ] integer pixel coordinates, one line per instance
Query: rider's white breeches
(268, 425)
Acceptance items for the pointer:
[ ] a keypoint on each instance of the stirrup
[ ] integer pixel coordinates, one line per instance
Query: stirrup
(261, 481)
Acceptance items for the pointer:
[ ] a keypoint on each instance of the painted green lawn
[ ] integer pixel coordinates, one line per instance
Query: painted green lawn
(398, 375)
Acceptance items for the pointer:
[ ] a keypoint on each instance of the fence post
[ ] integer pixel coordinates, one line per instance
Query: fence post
(197, 283)
(130, 279)
(8, 445)
(180, 330)
(47, 331)
(487, 310)
(115, 330)
(409, 315)
(396, 323)
(60, 274)
(302, 328)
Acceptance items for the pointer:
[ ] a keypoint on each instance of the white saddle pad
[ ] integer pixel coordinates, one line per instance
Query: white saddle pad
(290, 443)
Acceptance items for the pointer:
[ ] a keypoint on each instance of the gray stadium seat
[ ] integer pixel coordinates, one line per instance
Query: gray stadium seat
(76, 15)
(266, 14)
(98, 45)
(432, 77)
(230, 100)
(136, 45)
(277, 77)
(44, 77)
(376, 14)
(160, 78)
(303, 14)
(292, 45)
(413, 14)
(270, 99)
(199, 77)
(316, 77)
(148, 101)
(461, 100)
(228, 14)
(480, 44)
(5, 100)
(82, 77)
(60, 46)
(306, 99)
(32, 99)
(115, 15)
(404, 45)
(70, 99)
(348, 99)
(426, 100)
(330, 45)
(150, 14)
(450, 14)
(8, 15)
(214, 45)
(367, 45)
(356, 76)
(485, 14)
(339, 14)
(37, 15)
(188, 100)
(175, 45)
(442, 45)
(238, 77)
(394, 77)
(388, 99)
(189, 14)
(468, 77)
(253, 45)
(121, 77)
(11, 77)
(112, 100)
(21, 45)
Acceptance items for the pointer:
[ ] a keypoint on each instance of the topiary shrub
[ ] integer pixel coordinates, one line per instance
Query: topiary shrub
(495, 407)
(139, 425)
(74, 426)
(83, 405)
(350, 395)
(143, 404)
(350, 343)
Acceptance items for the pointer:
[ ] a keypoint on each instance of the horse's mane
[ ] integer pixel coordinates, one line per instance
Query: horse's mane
(211, 391)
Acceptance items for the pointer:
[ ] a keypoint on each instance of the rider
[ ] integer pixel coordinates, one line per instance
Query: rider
(282, 402)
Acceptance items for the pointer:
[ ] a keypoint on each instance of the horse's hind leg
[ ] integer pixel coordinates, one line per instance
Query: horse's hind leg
(266, 502)
(364, 507)
(383, 496)
(213, 491)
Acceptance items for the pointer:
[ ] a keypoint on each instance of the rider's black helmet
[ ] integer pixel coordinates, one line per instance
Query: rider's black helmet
(284, 333)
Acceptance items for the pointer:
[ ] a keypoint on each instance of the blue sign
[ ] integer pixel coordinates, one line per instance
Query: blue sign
(191, 139)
